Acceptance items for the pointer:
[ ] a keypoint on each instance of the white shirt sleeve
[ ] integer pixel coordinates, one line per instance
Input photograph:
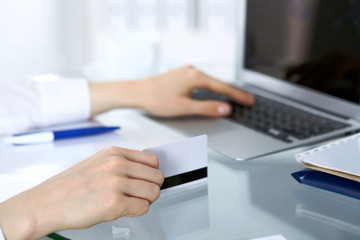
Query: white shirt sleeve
(42, 101)
(2, 237)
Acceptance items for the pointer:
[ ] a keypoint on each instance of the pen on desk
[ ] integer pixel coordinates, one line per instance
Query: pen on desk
(50, 136)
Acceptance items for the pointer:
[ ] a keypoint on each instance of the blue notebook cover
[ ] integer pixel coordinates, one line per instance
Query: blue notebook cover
(328, 182)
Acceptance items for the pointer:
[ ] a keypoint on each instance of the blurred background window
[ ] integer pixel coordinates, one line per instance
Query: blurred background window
(112, 39)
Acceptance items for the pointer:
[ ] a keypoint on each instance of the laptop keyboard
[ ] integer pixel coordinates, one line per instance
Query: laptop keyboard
(276, 119)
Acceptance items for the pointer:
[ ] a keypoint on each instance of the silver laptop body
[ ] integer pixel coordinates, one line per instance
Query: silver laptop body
(257, 72)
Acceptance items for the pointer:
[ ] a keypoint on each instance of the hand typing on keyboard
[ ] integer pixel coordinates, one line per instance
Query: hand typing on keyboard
(276, 119)
(168, 94)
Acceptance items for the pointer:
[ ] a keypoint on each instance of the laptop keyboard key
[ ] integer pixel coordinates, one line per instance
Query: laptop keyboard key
(276, 119)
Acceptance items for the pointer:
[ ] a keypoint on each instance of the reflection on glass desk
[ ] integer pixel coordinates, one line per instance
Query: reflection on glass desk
(332, 212)
(319, 213)
(176, 215)
(266, 195)
(247, 200)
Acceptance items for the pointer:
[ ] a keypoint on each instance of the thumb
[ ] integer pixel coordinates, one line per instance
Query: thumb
(209, 108)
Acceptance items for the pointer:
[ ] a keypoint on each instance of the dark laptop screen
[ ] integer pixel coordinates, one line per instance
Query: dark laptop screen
(314, 43)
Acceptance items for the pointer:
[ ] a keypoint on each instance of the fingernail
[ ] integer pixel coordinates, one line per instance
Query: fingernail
(223, 109)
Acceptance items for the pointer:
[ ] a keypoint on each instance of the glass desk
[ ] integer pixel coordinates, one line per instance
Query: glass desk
(245, 200)
(239, 200)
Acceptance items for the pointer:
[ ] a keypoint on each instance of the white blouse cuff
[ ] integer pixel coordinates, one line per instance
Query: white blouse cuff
(2, 237)
(63, 99)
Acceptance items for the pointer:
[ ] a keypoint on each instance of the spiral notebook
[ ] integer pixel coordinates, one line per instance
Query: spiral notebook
(340, 158)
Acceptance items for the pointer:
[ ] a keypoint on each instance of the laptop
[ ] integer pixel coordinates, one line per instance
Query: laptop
(301, 60)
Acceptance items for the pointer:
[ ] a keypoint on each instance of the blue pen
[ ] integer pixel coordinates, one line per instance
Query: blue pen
(50, 136)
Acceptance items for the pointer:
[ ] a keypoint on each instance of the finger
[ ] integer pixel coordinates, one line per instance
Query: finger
(135, 207)
(145, 173)
(209, 108)
(141, 189)
(146, 158)
(218, 86)
(133, 163)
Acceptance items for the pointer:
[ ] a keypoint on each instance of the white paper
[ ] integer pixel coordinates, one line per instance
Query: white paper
(341, 155)
(183, 156)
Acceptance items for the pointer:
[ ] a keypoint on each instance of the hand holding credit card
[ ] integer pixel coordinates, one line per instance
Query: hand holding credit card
(182, 162)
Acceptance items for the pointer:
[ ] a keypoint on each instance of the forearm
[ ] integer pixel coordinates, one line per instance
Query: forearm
(105, 96)
(112, 183)
(166, 95)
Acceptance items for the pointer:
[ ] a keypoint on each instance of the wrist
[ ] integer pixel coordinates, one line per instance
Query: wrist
(120, 94)
(21, 219)
(16, 225)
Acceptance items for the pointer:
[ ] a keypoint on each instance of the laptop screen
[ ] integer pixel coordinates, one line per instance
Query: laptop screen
(313, 43)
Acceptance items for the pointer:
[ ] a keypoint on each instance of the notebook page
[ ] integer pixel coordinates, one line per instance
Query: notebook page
(342, 155)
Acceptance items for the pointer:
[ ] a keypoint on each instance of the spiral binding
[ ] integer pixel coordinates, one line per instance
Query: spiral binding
(301, 156)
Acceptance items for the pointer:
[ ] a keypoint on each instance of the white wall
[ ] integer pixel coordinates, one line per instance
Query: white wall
(28, 42)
